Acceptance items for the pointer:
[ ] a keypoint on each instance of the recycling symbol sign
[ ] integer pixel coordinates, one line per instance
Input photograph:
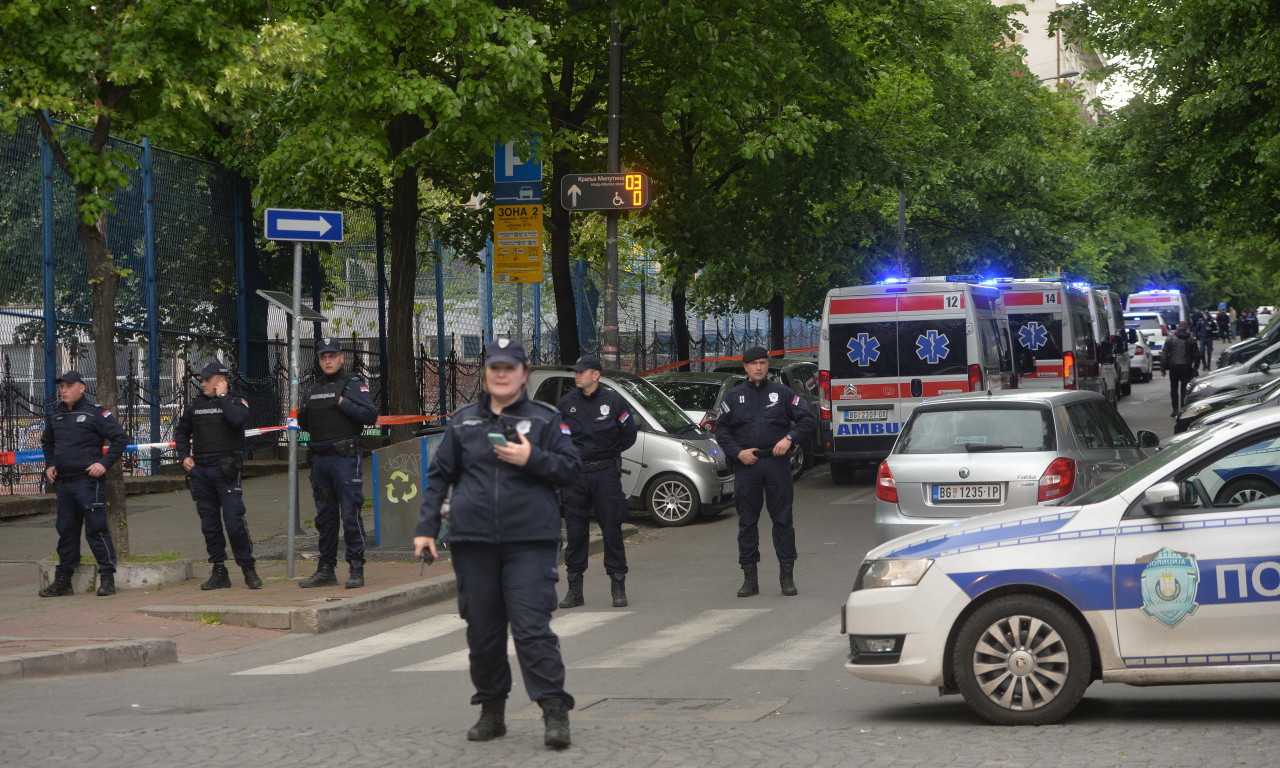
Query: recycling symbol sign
(863, 349)
(932, 347)
(1033, 336)
(401, 488)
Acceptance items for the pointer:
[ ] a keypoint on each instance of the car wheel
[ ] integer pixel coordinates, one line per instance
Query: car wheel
(1243, 491)
(1126, 389)
(842, 472)
(798, 456)
(671, 501)
(1022, 660)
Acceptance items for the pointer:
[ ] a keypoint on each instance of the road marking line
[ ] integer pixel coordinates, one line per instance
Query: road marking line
(638, 653)
(801, 652)
(567, 625)
(422, 631)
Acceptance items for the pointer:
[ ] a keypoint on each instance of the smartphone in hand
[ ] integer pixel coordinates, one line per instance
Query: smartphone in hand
(497, 439)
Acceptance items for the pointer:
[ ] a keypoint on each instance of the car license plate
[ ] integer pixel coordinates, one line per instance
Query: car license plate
(962, 492)
(880, 414)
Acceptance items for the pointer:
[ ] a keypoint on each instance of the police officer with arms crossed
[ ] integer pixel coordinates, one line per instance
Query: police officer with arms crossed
(759, 421)
(72, 444)
(210, 442)
(335, 411)
(504, 456)
(602, 429)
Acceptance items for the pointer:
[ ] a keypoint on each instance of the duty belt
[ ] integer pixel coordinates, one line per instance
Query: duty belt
(599, 466)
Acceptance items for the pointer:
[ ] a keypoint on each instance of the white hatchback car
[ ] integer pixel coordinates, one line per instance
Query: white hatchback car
(1168, 573)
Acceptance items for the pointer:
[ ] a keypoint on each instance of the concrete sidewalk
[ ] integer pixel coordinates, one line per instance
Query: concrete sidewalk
(179, 622)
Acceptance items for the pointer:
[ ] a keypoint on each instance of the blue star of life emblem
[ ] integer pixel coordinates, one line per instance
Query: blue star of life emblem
(864, 349)
(1033, 336)
(932, 347)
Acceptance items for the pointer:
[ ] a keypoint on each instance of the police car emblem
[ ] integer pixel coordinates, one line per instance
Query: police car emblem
(523, 426)
(773, 398)
(604, 410)
(1169, 585)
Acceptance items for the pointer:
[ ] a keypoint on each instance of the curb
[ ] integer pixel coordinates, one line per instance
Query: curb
(108, 657)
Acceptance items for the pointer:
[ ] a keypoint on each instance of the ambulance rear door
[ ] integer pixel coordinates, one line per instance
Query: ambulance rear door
(1036, 321)
(862, 343)
(934, 340)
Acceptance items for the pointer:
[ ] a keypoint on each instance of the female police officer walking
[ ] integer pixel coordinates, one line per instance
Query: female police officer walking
(504, 456)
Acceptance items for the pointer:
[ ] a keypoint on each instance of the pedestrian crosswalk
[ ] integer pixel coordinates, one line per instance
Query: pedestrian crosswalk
(443, 638)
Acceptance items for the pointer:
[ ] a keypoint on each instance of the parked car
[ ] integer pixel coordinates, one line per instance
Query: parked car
(800, 375)
(1140, 358)
(675, 471)
(1267, 396)
(972, 454)
(1214, 404)
(1151, 329)
(1246, 348)
(1165, 574)
(1259, 369)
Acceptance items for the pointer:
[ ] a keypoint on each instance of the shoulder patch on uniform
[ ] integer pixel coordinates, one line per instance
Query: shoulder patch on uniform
(105, 413)
(564, 429)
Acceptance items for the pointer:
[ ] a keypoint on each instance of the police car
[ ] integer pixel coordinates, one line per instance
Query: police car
(885, 347)
(1169, 573)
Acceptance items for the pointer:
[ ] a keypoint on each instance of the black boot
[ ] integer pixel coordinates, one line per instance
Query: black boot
(555, 715)
(356, 579)
(786, 580)
(106, 584)
(251, 579)
(323, 577)
(618, 586)
(573, 598)
(750, 581)
(491, 724)
(218, 578)
(59, 587)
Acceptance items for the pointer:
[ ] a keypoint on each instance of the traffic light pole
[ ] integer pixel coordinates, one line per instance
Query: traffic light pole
(611, 345)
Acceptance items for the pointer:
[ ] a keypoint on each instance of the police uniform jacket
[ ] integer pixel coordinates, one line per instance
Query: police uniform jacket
(211, 428)
(73, 438)
(601, 422)
(495, 502)
(759, 415)
(329, 421)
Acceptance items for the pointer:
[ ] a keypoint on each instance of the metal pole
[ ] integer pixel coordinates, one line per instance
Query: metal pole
(242, 280)
(50, 297)
(613, 166)
(487, 280)
(537, 321)
(902, 233)
(520, 312)
(153, 297)
(295, 341)
(380, 244)
(441, 353)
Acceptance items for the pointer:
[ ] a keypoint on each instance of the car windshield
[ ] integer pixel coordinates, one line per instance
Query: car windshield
(663, 410)
(1175, 447)
(690, 395)
(972, 430)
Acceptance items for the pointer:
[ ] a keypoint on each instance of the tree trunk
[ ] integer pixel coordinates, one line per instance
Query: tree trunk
(402, 131)
(561, 272)
(105, 281)
(776, 336)
(680, 323)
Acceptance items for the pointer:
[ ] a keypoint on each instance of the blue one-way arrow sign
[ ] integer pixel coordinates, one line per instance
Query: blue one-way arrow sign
(312, 226)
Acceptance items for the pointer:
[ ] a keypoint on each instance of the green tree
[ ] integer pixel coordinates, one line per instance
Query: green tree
(158, 66)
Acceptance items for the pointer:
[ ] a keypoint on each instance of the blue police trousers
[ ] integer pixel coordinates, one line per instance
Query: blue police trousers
(601, 491)
(82, 503)
(769, 478)
(337, 483)
(212, 493)
(501, 585)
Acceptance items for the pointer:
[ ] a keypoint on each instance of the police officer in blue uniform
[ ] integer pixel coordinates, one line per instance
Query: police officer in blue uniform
(602, 428)
(758, 423)
(72, 444)
(335, 411)
(209, 438)
(504, 456)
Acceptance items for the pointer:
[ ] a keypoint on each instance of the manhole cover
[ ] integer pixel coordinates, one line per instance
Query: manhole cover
(624, 707)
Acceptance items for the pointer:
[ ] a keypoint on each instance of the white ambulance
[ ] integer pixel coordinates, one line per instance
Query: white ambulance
(885, 347)
(1170, 303)
(1101, 323)
(1049, 320)
(1118, 344)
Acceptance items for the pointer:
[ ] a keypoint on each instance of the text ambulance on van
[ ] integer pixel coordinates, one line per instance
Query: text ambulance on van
(885, 347)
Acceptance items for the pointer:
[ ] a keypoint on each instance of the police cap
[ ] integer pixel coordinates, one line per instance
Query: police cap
(753, 354)
(503, 350)
(70, 377)
(327, 344)
(214, 368)
(587, 363)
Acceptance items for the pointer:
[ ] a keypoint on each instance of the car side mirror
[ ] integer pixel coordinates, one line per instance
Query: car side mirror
(1264, 367)
(1133, 336)
(1166, 497)
(1104, 352)
(1148, 439)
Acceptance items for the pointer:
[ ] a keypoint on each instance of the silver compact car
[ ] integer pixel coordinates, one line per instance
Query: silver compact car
(972, 454)
(675, 471)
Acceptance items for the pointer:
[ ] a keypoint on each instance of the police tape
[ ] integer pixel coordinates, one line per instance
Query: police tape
(11, 458)
(723, 358)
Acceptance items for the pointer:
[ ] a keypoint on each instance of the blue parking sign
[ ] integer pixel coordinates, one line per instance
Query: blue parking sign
(507, 166)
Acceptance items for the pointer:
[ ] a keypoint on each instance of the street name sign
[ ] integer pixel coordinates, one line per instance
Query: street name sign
(303, 226)
(604, 191)
(517, 243)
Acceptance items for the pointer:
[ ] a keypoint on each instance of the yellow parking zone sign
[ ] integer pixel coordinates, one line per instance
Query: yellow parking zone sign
(517, 243)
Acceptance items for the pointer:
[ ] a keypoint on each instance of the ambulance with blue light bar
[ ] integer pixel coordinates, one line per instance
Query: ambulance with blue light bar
(885, 347)
(1170, 303)
(1049, 320)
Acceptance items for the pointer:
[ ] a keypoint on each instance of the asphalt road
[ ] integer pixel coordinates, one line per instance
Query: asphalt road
(688, 675)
